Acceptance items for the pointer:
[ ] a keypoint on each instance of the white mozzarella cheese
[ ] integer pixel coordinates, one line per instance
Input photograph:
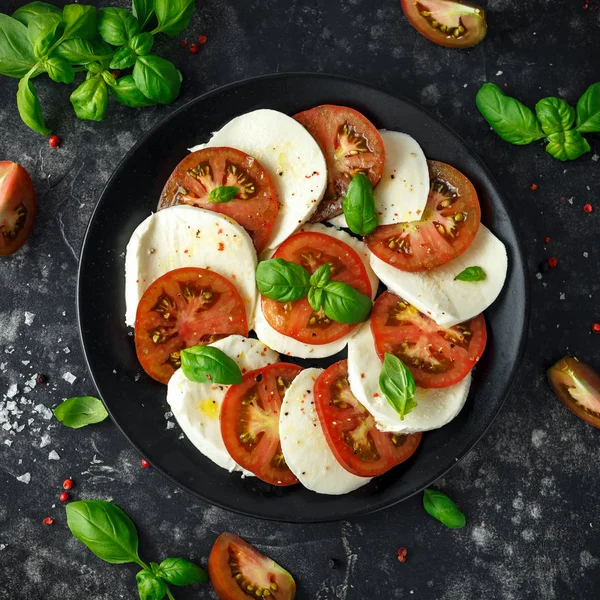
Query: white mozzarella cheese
(186, 236)
(303, 442)
(435, 407)
(437, 294)
(291, 156)
(339, 221)
(197, 406)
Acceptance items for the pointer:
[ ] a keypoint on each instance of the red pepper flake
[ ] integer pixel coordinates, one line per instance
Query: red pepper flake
(145, 463)
(48, 521)
(184, 43)
(63, 497)
(552, 262)
(547, 240)
(562, 197)
(194, 48)
(505, 84)
(40, 379)
(588, 208)
(402, 552)
(116, 74)
(202, 39)
(533, 187)
(585, 6)
(362, 375)
(54, 141)
(220, 231)
(67, 484)
(596, 327)
(186, 251)
(221, 246)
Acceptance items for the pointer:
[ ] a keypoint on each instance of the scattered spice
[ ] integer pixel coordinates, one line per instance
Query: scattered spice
(41, 379)
(48, 521)
(202, 39)
(533, 187)
(547, 240)
(67, 484)
(116, 74)
(402, 552)
(552, 262)
(63, 497)
(333, 563)
(596, 327)
(184, 43)
(145, 463)
(588, 208)
(54, 141)
(194, 48)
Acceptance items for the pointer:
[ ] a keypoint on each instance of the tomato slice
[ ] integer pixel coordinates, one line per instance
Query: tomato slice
(238, 571)
(437, 357)
(447, 22)
(18, 207)
(250, 422)
(350, 429)
(183, 308)
(450, 221)
(351, 144)
(297, 319)
(254, 208)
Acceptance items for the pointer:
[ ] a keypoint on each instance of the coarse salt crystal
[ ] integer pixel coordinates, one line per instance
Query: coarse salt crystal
(44, 411)
(45, 440)
(66, 350)
(570, 200)
(25, 362)
(595, 157)
(585, 255)
(13, 390)
(170, 424)
(8, 443)
(69, 377)
(25, 478)
(168, 415)
(53, 455)
(562, 296)
(538, 275)
(29, 317)
(499, 73)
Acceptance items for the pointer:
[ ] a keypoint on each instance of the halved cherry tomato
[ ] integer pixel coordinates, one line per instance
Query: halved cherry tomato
(350, 429)
(437, 357)
(183, 308)
(250, 422)
(447, 22)
(18, 207)
(254, 208)
(449, 223)
(297, 319)
(351, 144)
(578, 388)
(238, 571)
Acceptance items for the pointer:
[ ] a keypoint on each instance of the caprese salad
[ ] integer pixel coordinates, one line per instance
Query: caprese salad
(287, 227)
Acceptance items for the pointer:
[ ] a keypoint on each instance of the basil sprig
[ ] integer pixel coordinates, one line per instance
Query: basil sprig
(398, 385)
(345, 304)
(442, 508)
(472, 274)
(223, 193)
(80, 411)
(281, 280)
(209, 364)
(359, 206)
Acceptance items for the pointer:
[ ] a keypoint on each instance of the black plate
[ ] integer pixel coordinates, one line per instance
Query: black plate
(137, 404)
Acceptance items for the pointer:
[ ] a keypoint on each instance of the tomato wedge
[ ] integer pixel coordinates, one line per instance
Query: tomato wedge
(351, 144)
(350, 430)
(437, 357)
(183, 308)
(450, 221)
(250, 422)
(255, 207)
(297, 319)
(238, 571)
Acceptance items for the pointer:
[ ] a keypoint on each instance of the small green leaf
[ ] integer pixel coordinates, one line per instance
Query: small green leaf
(321, 276)
(143, 10)
(33, 10)
(126, 92)
(281, 280)
(117, 26)
(81, 21)
(90, 99)
(149, 586)
(123, 59)
(154, 566)
(567, 145)
(30, 108)
(359, 206)
(80, 411)
(178, 571)
(442, 508)
(315, 298)
(471, 274)
(157, 78)
(588, 110)
(59, 70)
(81, 52)
(16, 48)
(555, 115)
(398, 385)
(173, 15)
(142, 43)
(204, 364)
(47, 35)
(223, 193)
(345, 304)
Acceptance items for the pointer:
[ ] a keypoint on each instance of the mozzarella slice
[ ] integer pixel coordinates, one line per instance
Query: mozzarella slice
(291, 156)
(339, 221)
(303, 442)
(186, 236)
(197, 406)
(437, 294)
(435, 407)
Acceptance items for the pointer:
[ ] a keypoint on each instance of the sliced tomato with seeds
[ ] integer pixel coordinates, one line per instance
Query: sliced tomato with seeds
(250, 422)
(255, 207)
(238, 571)
(351, 145)
(447, 228)
(437, 357)
(297, 319)
(350, 429)
(184, 308)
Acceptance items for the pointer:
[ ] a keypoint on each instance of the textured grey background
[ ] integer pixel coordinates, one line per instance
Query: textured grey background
(529, 489)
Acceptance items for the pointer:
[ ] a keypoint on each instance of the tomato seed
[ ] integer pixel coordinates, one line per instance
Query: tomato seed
(184, 43)
(63, 497)
(48, 521)
(145, 463)
(552, 262)
(194, 48)
(67, 484)
(402, 552)
(588, 208)
(596, 327)
(533, 187)
(54, 141)
(202, 39)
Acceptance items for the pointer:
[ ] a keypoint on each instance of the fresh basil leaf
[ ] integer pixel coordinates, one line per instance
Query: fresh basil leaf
(223, 193)
(315, 298)
(80, 411)
(281, 280)
(126, 92)
(567, 145)
(345, 304)
(90, 99)
(588, 110)
(157, 78)
(16, 48)
(105, 529)
(472, 274)
(442, 508)
(511, 120)
(143, 10)
(30, 108)
(178, 571)
(34, 9)
(359, 206)
(94, 68)
(81, 21)
(555, 115)
(321, 276)
(117, 26)
(398, 385)
(81, 52)
(209, 364)
(173, 15)
(123, 59)
(59, 70)
(46, 36)
(154, 567)
(149, 586)
(142, 43)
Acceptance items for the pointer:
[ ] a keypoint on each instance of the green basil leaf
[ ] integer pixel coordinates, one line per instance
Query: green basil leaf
(34, 9)
(178, 571)
(126, 92)
(281, 280)
(143, 10)
(207, 363)
(321, 276)
(105, 529)
(315, 298)
(117, 26)
(157, 78)
(90, 99)
(439, 506)
(555, 115)
(511, 120)
(93, 68)
(359, 206)
(345, 304)
(567, 145)
(142, 43)
(44, 30)
(81, 21)
(81, 52)
(472, 274)
(30, 108)
(154, 567)
(223, 193)
(16, 48)
(123, 59)
(173, 15)
(398, 385)
(149, 586)
(80, 411)
(59, 70)
(588, 110)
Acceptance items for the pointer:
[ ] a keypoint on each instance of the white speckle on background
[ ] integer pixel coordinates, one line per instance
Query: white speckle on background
(538, 275)
(66, 350)
(29, 317)
(499, 73)
(53, 455)
(537, 437)
(595, 157)
(69, 377)
(585, 255)
(8, 443)
(25, 362)
(562, 296)
(25, 478)
(570, 200)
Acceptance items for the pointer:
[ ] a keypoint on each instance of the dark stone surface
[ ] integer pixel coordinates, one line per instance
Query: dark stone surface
(530, 487)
